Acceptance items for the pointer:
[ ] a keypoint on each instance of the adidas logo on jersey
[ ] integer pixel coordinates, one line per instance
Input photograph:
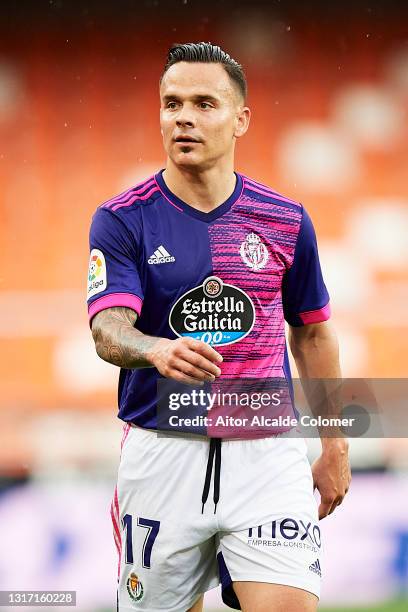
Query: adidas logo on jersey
(315, 567)
(161, 256)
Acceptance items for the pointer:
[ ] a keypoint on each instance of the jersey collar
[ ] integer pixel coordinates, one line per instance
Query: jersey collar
(193, 212)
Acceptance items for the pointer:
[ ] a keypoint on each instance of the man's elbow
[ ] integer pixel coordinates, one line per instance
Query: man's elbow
(97, 338)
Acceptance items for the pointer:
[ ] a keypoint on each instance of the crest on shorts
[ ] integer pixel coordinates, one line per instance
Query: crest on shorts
(134, 587)
(253, 252)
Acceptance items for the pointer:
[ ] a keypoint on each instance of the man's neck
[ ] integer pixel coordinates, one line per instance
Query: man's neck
(205, 190)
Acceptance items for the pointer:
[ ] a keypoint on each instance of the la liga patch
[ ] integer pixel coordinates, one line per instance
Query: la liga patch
(96, 273)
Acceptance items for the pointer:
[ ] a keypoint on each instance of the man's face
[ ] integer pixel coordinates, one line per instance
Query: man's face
(201, 114)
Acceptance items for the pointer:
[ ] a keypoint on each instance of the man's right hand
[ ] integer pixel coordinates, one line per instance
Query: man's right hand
(185, 360)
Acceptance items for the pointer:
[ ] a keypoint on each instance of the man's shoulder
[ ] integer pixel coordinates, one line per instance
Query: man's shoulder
(143, 193)
(262, 192)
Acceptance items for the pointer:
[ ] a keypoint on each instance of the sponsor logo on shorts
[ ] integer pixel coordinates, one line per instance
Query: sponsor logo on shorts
(315, 567)
(134, 587)
(97, 281)
(214, 312)
(287, 532)
(254, 253)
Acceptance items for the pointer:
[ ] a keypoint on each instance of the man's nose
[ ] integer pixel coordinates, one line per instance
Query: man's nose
(185, 118)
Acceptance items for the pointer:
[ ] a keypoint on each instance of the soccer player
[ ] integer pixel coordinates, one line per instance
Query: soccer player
(192, 274)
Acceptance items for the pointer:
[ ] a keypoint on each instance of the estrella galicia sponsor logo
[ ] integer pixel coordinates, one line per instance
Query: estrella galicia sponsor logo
(214, 312)
(288, 533)
(134, 587)
(315, 568)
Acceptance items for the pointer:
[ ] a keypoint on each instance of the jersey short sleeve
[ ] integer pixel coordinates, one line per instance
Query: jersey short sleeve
(113, 277)
(304, 295)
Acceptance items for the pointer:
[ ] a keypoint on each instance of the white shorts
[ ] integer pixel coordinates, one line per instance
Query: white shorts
(265, 527)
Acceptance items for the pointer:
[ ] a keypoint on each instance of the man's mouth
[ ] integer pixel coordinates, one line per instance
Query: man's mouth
(186, 139)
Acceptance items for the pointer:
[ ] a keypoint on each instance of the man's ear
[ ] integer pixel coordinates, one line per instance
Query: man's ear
(243, 119)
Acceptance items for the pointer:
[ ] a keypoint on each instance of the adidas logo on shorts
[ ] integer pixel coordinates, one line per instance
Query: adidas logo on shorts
(160, 256)
(315, 567)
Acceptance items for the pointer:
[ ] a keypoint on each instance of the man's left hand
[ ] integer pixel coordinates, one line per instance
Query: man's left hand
(332, 475)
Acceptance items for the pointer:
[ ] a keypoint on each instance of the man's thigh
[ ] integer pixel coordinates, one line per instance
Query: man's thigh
(263, 597)
(198, 606)
(279, 559)
(167, 547)
(271, 534)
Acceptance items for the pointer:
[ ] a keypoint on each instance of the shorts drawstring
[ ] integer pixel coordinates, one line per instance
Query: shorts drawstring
(214, 451)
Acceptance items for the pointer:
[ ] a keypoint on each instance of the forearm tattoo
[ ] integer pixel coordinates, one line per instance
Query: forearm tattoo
(118, 342)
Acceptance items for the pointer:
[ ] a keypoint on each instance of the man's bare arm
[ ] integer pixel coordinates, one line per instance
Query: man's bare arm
(118, 342)
(185, 359)
(315, 350)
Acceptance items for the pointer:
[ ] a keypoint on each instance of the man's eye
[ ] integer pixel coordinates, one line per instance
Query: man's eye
(171, 105)
(205, 105)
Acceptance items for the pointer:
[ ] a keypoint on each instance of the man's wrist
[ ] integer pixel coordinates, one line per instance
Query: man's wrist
(339, 444)
(153, 349)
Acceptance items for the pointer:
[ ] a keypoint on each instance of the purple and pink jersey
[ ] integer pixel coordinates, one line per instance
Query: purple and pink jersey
(230, 277)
